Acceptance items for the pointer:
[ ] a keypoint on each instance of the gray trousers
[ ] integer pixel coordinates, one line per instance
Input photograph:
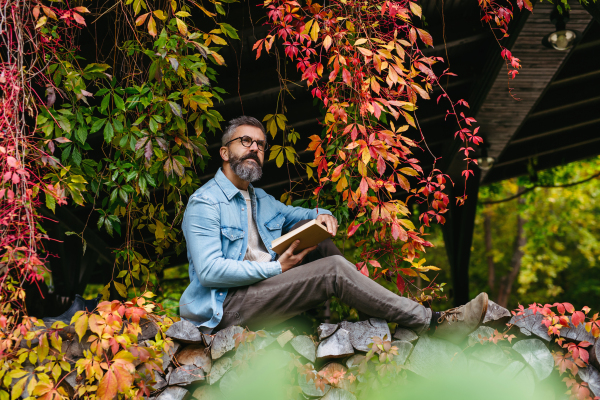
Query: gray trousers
(324, 273)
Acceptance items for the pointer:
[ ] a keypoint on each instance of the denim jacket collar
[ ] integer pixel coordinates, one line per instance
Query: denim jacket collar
(228, 188)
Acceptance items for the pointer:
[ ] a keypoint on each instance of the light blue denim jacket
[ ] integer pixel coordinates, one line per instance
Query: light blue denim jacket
(215, 225)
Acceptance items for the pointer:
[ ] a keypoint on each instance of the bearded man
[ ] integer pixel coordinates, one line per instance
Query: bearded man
(237, 279)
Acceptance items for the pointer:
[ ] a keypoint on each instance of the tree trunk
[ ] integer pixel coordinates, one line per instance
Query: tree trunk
(515, 262)
(487, 228)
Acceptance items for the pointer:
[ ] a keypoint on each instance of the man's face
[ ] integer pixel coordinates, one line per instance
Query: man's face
(246, 162)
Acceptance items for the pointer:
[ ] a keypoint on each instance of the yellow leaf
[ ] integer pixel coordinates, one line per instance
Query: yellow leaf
(415, 8)
(365, 52)
(360, 41)
(159, 232)
(181, 26)
(160, 15)
(218, 40)
(121, 289)
(362, 168)
(39, 24)
(218, 58)
(81, 326)
(314, 31)
(366, 156)
(342, 184)
(152, 26)
(280, 159)
(174, 5)
(307, 27)
(183, 14)
(327, 42)
(205, 10)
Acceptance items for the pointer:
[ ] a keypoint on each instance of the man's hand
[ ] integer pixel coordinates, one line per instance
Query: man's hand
(330, 222)
(289, 260)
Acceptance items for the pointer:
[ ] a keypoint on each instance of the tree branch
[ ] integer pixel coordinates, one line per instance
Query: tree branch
(521, 193)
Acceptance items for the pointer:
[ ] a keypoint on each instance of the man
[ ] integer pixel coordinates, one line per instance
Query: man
(236, 279)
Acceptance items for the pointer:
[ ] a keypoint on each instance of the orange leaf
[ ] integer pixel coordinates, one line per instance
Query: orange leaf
(346, 77)
(78, 18)
(152, 27)
(107, 389)
(425, 37)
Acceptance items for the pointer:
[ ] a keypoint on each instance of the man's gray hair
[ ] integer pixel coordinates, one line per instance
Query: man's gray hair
(240, 121)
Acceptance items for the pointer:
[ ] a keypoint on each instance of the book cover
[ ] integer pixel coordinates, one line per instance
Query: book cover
(309, 234)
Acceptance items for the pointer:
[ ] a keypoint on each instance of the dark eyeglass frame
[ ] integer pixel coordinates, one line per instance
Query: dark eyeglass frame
(265, 145)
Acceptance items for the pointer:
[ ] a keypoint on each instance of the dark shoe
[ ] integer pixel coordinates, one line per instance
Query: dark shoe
(456, 323)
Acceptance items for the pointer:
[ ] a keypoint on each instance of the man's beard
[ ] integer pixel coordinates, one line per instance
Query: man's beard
(249, 172)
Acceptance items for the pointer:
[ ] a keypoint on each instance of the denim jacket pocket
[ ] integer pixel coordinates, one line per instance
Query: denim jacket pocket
(275, 223)
(231, 245)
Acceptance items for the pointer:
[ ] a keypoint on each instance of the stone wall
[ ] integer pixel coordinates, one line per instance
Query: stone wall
(203, 366)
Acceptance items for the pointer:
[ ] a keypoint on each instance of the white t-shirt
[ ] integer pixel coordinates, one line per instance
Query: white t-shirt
(256, 248)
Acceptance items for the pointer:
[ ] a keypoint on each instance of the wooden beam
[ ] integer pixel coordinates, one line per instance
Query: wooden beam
(500, 116)
(555, 131)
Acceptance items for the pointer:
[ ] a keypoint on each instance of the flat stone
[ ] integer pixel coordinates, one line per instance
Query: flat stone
(405, 334)
(174, 393)
(362, 332)
(185, 375)
(491, 354)
(484, 332)
(537, 356)
(184, 331)
(308, 386)
(591, 376)
(496, 314)
(219, 368)
(432, 357)
(338, 394)
(284, 338)
(229, 381)
(337, 345)
(168, 355)
(404, 349)
(224, 341)
(207, 393)
(195, 354)
(149, 330)
(532, 323)
(160, 382)
(326, 330)
(577, 334)
(305, 347)
(355, 360)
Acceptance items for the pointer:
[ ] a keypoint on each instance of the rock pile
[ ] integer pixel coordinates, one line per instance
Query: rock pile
(206, 364)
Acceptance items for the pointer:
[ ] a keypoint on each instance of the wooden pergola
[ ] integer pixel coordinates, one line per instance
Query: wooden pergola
(555, 120)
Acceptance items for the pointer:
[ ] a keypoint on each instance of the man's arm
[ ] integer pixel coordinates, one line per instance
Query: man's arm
(202, 230)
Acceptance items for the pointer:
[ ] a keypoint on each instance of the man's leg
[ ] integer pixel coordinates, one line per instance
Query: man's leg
(274, 300)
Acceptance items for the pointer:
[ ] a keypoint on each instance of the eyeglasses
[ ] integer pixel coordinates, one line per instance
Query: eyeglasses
(247, 142)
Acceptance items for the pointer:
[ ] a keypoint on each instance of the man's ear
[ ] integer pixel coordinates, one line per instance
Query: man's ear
(224, 152)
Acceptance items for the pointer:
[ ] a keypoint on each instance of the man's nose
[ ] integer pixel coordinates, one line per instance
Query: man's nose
(254, 147)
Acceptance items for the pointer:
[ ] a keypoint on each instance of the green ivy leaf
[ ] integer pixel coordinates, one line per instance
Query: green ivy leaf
(108, 132)
(119, 102)
(229, 30)
(96, 126)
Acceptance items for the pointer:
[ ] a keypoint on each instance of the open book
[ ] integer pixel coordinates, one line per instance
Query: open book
(309, 234)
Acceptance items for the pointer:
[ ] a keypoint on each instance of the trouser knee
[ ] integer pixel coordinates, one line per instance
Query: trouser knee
(339, 265)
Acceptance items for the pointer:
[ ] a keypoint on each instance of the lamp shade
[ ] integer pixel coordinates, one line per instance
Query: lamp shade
(561, 40)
